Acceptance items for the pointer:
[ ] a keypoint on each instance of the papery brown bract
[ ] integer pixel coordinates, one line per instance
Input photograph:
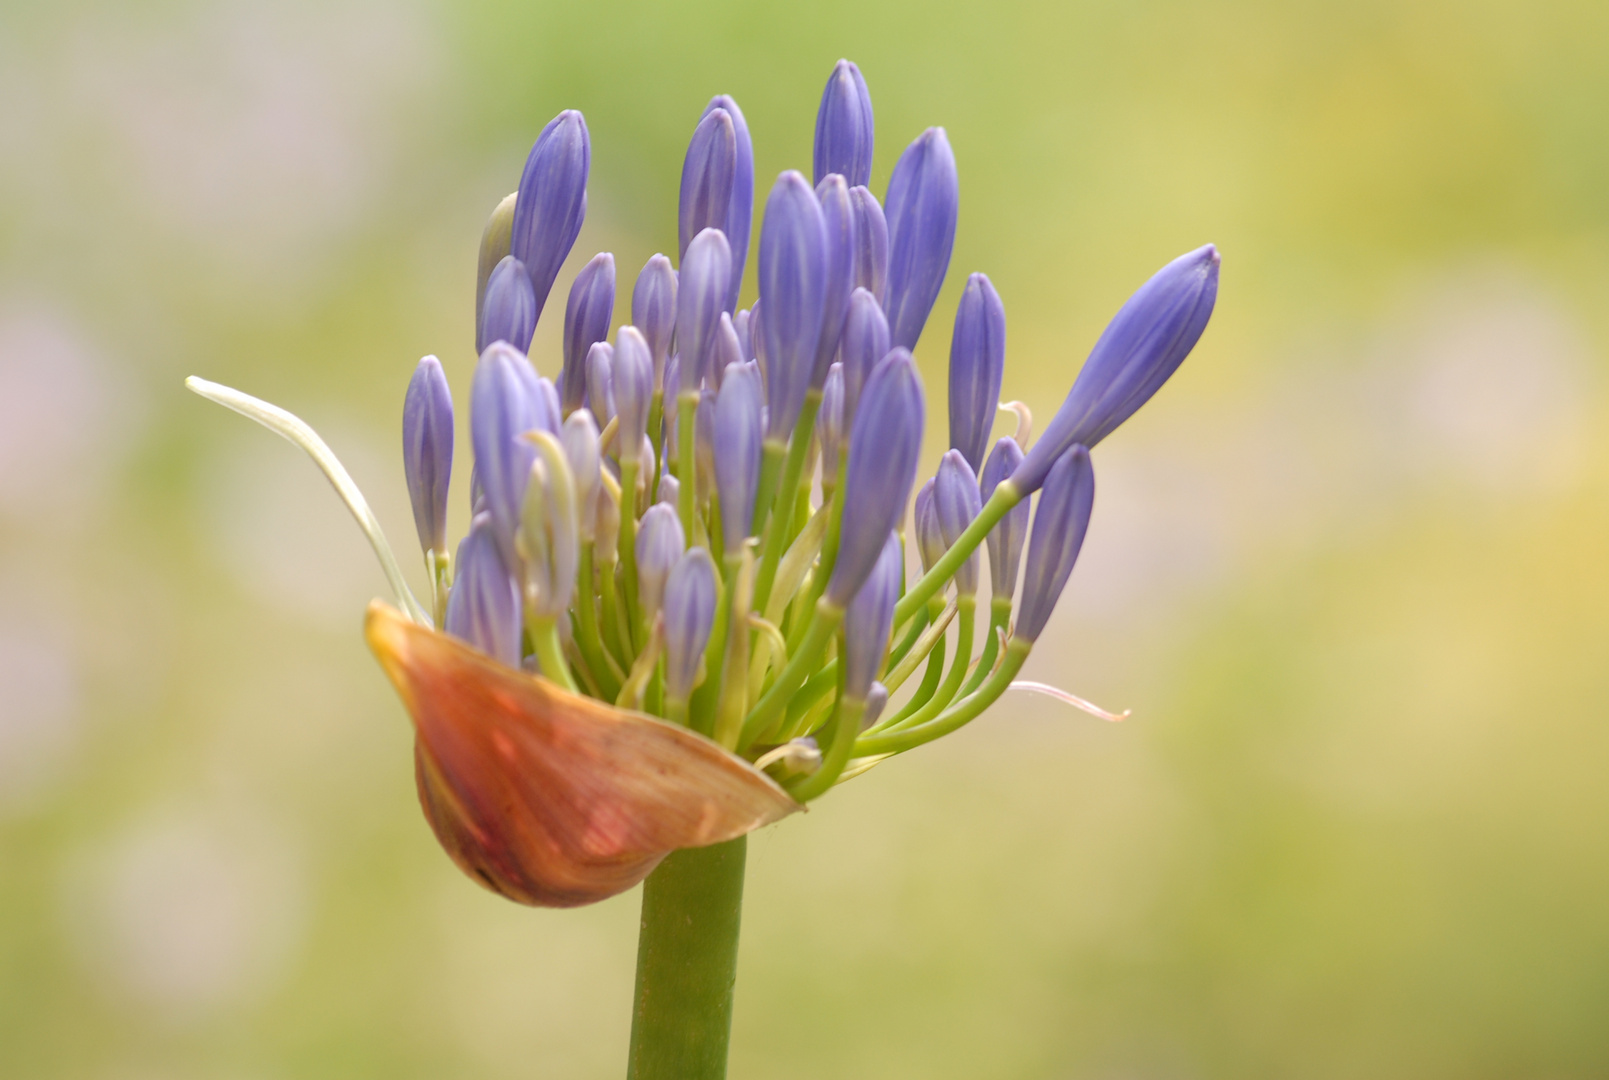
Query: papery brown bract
(547, 797)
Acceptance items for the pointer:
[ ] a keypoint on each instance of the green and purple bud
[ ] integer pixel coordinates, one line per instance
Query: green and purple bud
(929, 537)
(871, 243)
(579, 437)
(869, 618)
(924, 199)
(707, 175)
(587, 315)
(955, 504)
(653, 311)
(830, 423)
(632, 375)
(660, 542)
(600, 395)
(551, 201)
(427, 451)
(484, 606)
(838, 217)
(1060, 522)
(505, 402)
(550, 530)
(706, 269)
(740, 211)
(1007, 537)
(509, 312)
(1141, 347)
(977, 366)
(864, 343)
(793, 286)
(844, 127)
(728, 351)
(738, 429)
(884, 446)
(690, 598)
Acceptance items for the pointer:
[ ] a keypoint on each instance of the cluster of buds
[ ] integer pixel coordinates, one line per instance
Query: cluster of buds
(703, 520)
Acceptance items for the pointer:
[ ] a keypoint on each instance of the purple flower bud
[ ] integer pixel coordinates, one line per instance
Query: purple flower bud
(587, 315)
(793, 284)
(838, 217)
(653, 311)
(510, 310)
(707, 174)
(869, 618)
(738, 430)
(633, 377)
(549, 418)
(1058, 533)
(871, 243)
(494, 240)
(673, 382)
(704, 446)
(1006, 538)
(670, 490)
(427, 451)
(955, 504)
(883, 448)
(1141, 347)
(699, 296)
(728, 350)
(844, 126)
(504, 403)
(599, 367)
(924, 197)
(660, 542)
(929, 538)
(977, 364)
(830, 423)
(689, 614)
(579, 438)
(745, 340)
(740, 211)
(483, 608)
(876, 702)
(864, 343)
(551, 201)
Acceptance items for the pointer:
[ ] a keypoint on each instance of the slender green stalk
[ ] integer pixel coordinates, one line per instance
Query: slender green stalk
(686, 464)
(846, 724)
(777, 535)
(614, 636)
(586, 637)
(966, 608)
(999, 619)
(628, 543)
(772, 454)
(962, 712)
(545, 642)
(924, 691)
(681, 1021)
(1000, 503)
(769, 708)
(656, 416)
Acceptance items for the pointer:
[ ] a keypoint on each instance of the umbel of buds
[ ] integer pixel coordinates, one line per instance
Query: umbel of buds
(682, 608)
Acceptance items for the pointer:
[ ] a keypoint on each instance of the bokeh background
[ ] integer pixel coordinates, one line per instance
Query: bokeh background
(1350, 570)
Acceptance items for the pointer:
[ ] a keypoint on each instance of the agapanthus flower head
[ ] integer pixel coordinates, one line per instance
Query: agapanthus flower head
(844, 127)
(708, 522)
(924, 199)
(427, 451)
(551, 201)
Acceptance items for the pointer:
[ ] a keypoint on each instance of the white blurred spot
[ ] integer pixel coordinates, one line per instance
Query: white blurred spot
(67, 415)
(39, 711)
(188, 912)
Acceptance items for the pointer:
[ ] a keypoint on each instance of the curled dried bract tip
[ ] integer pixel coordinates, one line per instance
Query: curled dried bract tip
(549, 798)
(1070, 699)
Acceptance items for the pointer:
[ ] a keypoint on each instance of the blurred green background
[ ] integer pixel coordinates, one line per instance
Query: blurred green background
(1350, 569)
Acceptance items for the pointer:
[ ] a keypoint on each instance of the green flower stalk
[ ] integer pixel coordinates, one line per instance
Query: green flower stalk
(656, 637)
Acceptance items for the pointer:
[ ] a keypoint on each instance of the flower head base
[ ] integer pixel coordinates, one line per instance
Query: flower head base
(709, 522)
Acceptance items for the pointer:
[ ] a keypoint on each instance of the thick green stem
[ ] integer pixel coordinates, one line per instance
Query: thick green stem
(1000, 503)
(681, 1021)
